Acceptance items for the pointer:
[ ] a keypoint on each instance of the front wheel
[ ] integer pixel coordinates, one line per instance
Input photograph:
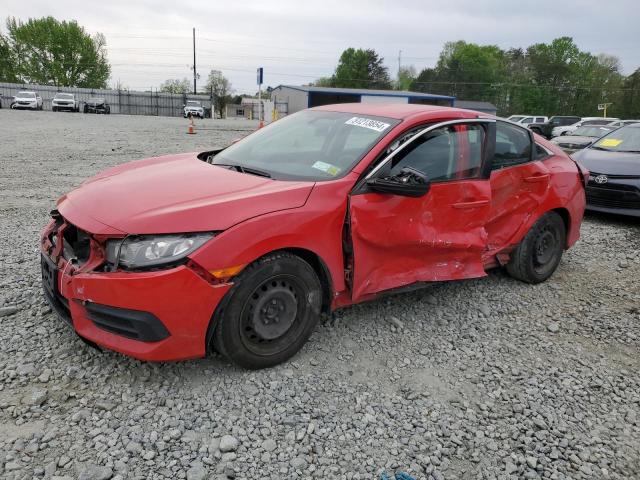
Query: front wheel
(539, 253)
(270, 312)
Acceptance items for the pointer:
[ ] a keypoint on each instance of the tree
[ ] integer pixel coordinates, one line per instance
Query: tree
(220, 89)
(323, 82)
(406, 76)
(176, 86)
(361, 69)
(7, 62)
(49, 52)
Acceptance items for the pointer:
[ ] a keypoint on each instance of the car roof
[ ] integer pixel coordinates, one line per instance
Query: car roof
(400, 111)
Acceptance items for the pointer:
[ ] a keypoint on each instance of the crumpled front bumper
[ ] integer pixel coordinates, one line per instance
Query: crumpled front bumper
(157, 316)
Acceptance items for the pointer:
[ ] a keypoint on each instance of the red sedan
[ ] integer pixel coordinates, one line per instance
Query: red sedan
(240, 250)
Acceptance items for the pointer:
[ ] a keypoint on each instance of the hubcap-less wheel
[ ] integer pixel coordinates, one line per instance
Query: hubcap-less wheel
(270, 313)
(545, 248)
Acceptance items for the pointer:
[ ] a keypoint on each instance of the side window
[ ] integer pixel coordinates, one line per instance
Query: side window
(539, 119)
(513, 146)
(449, 153)
(540, 153)
(527, 120)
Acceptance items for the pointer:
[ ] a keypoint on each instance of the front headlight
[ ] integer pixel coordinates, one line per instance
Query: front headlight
(143, 251)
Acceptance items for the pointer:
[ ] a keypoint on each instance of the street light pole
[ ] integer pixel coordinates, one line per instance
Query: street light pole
(194, 60)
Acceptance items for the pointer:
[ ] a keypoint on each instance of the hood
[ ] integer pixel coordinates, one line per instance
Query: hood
(573, 139)
(177, 193)
(610, 163)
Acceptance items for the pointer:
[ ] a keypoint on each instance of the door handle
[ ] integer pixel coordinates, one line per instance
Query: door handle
(537, 178)
(474, 204)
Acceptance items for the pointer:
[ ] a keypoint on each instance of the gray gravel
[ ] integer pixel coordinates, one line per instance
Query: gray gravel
(479, 379)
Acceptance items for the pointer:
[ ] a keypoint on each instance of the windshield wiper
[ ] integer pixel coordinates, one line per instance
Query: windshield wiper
(600, 148)
(243, 169)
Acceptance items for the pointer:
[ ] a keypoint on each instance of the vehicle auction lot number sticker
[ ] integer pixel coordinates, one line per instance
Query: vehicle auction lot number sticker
(367, 123)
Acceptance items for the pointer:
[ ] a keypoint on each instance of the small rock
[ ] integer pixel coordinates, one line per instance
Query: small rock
(396, 323)
(532, 462)
(6, 311)
(37, 398)
(196, 472)
(269, 445)
(553, 327)
(298, 462)
(228, 443)
(95, 472)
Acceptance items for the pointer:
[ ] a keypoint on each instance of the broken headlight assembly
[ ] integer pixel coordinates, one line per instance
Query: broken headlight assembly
(149, 251)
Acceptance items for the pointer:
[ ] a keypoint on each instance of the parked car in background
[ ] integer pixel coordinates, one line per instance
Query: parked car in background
(622, 123)
(515, 118)
(97, 105)
(325, 208)
(193, 108)
(65, 101)
(582, 137)
(26, 101)
(586, 121)
(546, 128)
(614, 166)
(528, 120)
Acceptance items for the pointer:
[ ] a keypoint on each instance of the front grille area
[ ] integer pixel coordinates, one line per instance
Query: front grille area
(77, 244)
(612, 203)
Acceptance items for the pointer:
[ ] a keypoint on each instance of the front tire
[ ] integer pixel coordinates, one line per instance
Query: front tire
(538, 255)
(270, 312)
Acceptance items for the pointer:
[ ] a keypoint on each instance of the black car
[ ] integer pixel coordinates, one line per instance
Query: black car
(97, 105)
(546, 128)
(614, 166)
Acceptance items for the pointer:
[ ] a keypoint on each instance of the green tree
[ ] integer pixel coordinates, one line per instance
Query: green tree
(406, 76)
(176, 86)
(361, 69)
(7, 62)
(220, 89)
(59, 53)
(323, 82)
(629, 99)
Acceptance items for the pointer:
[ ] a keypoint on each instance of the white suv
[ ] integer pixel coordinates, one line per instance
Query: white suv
(567, 129)
(193, 108)
(27, 100)
(65, 101)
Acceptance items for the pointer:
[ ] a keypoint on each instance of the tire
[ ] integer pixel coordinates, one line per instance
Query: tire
(54, 109)
(270, 312)
(538, 255)
(85, 109)
(107, 111)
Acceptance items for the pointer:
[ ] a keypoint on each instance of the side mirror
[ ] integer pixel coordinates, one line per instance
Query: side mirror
(408, 183)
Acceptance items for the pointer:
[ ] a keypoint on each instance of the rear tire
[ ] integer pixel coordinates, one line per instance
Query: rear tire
(539, 253)
(270, 312)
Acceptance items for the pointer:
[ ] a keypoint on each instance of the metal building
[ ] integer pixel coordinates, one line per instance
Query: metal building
(290, 99)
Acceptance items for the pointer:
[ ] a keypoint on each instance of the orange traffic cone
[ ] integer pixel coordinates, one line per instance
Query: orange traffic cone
(192, 129)
(261, 124)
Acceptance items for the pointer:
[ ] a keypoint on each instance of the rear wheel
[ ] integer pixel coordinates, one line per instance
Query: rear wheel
(270, 312)
(538, 255)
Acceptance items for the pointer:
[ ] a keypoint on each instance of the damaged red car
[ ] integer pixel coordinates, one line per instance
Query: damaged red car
(241, 249)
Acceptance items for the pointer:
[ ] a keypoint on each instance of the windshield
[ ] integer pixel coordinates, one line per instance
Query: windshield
(97, 100)
(193, 104)
(309, 145)
(596, 132)
(67, 96)
(26, 95)
(515, 118)
(625, 139)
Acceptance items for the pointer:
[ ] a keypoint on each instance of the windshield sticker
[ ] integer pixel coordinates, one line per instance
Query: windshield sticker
(368, 123)
(326, 168)
(609, 142)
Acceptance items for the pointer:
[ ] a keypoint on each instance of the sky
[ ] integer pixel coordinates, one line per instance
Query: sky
(149, 41)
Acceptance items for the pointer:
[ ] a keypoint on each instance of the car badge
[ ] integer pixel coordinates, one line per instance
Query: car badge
(601, 179)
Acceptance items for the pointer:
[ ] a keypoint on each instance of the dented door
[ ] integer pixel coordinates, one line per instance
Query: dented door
(400, 240)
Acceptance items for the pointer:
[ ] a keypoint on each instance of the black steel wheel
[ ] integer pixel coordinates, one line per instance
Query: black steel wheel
(270, 312)
(539, 254)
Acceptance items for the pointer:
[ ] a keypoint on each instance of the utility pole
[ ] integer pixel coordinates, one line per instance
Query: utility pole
(194, 60)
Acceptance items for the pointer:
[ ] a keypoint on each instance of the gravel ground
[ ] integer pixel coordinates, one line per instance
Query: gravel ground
(481, 379)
